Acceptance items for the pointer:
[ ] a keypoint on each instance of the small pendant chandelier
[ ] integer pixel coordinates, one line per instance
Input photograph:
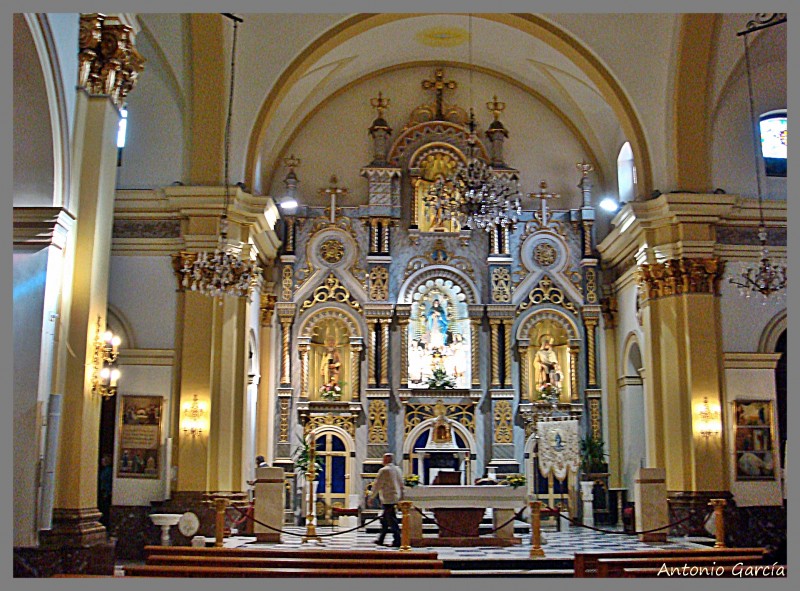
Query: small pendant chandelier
(474, 195)
(222, 272)
(767, 278)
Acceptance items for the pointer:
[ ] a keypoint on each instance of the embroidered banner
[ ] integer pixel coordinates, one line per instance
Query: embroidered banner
(558, 447)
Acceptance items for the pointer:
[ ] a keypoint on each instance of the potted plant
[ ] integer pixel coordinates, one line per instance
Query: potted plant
(514, 480)
(331, 391)
(440, 380)
(594, 483)
(302, 458)
(593, 456)
(549, 393)
(411, 480)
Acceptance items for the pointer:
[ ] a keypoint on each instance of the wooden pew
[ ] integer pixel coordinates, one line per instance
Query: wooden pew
(586, 562)
(285, 553)
(152, 570)
(718, 572)
(247, 562)
(612, 567)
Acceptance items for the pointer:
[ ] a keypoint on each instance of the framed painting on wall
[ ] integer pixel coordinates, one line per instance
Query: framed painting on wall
(139, 436)
(755, 456)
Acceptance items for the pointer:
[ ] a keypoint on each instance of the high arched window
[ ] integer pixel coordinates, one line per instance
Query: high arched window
(626, 173)
(772, 129)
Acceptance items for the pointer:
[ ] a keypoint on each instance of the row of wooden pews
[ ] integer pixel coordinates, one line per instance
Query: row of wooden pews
(675, 563)
(184, 561)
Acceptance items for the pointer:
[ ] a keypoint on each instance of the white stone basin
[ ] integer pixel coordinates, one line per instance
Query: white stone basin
(168, 519)
(165, 521)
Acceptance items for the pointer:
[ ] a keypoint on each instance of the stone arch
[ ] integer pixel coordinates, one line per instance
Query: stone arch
(527, 321)
(772, 332)
(534, 25)
(410, 285)
(318, 315)
(413, 435)
(118, 323)
(631, 356)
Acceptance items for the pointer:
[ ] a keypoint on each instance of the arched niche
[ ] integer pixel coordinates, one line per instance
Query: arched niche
(439, 334)
(549, 347)
(427, 426)
(334, 449)
(427, 165)
(330, 341)
(633, 423)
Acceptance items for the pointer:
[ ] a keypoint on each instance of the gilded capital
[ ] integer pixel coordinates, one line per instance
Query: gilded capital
(108, 63)
(680, 276)
(267, 308)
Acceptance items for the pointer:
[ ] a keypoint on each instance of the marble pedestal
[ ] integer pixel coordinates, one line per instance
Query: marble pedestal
(268, 505)
(650, 496)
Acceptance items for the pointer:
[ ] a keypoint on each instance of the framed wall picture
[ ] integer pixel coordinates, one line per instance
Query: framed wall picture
(139, 437)
(753, 438)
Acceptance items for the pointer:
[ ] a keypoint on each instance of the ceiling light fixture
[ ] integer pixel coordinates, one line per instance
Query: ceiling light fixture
(222, 272)
(474, 195)
(767, 278)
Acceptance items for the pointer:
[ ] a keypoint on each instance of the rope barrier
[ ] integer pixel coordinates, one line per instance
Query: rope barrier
(289, 533)
(516, 516)
(633, 533)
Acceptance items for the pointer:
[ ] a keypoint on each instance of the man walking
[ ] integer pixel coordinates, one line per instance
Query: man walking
(389, 485)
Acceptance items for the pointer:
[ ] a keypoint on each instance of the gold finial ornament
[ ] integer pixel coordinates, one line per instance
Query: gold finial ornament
(495, 107)
(379, 103)
(291, 162)
(584, 167)
(439, 85)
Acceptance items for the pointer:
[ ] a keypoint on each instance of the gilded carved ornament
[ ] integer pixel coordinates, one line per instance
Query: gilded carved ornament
(331, 290)
(418, 413)
(501, 285)
(108, 62)
(545, 291)
(680, 276)
(331, 251)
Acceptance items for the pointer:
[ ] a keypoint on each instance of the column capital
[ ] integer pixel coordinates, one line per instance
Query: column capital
(108, 62)
(680, 276)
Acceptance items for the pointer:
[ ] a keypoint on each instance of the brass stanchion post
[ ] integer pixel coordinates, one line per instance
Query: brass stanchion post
(405, 533)
(719, 519)
(220, 504)
(311, 475)
(536, 530)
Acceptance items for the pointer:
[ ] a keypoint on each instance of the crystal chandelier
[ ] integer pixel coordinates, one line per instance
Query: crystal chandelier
(474, 195)
(222, 272)
(767, 278)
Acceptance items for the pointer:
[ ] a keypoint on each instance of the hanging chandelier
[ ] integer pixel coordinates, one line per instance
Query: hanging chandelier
(766, 278)
(474, 195)
(222, 272)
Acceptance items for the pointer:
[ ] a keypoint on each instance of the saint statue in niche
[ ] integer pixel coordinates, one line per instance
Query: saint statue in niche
(437, 324)
(331, 364)
(549, 371)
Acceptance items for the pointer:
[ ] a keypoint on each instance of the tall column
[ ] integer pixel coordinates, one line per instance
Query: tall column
(355, 370)
(573, 373)
(506, 245)
(266, 389)
(286, 331)
(524, 373)
(371, 352)
(384, 322)
(373, 225)
(682, 315)
(303, 351)
(494, 323)
(403, 328)
(105, 80)
(507, 353)
(591, 324)
(475, 322)
(387, 228)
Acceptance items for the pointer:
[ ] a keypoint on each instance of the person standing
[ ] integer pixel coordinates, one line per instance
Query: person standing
(389, 487)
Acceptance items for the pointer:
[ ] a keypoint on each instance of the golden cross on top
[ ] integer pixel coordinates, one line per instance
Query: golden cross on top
(291, 162)
(332, 192)
(495, 107)
(544, 196)
(438, 84)
(379, 103)
(584, 167)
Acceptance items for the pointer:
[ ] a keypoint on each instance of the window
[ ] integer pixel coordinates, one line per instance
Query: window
(772, 127)
(123, 126)
(626, 174)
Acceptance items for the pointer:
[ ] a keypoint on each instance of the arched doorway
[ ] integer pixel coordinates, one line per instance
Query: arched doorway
(632, 414)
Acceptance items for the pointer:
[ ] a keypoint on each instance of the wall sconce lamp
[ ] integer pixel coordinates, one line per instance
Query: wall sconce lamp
(193, 417)
(709, 422)
(105, 374)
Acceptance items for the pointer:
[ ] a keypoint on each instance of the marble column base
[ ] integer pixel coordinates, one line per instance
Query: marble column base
(685, 503)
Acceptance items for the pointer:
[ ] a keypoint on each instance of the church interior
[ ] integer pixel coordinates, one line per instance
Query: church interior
(546, 262)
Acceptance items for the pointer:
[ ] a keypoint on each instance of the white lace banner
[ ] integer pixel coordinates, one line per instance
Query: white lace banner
(558, 447)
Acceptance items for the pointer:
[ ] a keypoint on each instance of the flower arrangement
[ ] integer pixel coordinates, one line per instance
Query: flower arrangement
(331, 391)
(411, 480)
(440, 380)
(515, 480)
(548, 392)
